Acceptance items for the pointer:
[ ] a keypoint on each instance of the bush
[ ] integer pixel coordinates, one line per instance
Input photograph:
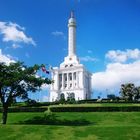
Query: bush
(26, 109)
(31, 102)
(95, 109)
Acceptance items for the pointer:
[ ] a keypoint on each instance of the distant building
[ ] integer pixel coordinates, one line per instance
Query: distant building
(71, 79)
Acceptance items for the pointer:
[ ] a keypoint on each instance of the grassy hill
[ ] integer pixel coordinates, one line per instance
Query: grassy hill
(72, 126)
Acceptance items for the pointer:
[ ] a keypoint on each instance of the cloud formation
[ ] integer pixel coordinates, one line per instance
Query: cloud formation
(87, 59)
(14, 33)
(123, 56)
(7, 59)
(118, 72)
(59, 34)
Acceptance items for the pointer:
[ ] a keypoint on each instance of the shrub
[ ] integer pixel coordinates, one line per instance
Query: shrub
(95, 109)
(26, 109)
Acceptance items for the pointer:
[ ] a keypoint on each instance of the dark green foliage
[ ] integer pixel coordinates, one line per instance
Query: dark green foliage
(102, 107)
(26, 109)
(16, 80)
(30, 102)
(136, 93)
(87, 101)
(53, 119)
(95, 109)
(127, 91)
(71, 101)
(111, 97)
(130, 92)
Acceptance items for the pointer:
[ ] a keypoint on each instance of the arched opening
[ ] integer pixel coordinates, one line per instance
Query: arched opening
(71, 96)
(62, 97)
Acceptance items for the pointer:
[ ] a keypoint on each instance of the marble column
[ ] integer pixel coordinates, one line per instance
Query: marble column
(72, 80)
(62, 81)
(67, 81)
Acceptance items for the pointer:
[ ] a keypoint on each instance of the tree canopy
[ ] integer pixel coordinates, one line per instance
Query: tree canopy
(17, 80)
(130, 92)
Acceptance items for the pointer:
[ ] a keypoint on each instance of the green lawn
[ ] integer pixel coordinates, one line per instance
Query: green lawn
(72, 126)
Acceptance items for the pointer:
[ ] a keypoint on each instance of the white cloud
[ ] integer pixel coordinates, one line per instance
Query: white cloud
(133, 54)
(7, 59)
(45, 87)
(123, 56)
(116, 74)
(88, 58)
(121, 70)
(15, 46)
(59, 34)
(14, 33)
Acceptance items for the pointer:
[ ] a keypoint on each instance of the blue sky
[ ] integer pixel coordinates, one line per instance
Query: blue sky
(108, 37)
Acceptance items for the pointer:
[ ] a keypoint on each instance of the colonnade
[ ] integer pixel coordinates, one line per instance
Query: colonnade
(69, 80)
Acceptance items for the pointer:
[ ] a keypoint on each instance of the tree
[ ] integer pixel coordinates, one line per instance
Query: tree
(17, 80)
(137, 93)
(130, 92)
(111, 96)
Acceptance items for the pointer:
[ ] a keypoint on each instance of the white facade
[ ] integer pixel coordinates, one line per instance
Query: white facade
(71, 78)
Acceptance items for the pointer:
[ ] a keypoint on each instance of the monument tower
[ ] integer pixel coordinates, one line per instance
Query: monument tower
(71, 79)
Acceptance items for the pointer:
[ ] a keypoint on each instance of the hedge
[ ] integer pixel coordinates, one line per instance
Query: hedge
(75, 109)
(26, 109)
(105, 101)
(95, 109)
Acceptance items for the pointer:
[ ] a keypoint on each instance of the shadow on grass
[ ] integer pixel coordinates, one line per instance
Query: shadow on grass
(52, 120)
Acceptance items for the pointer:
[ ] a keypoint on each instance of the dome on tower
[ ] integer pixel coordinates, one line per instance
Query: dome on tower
(72, 19)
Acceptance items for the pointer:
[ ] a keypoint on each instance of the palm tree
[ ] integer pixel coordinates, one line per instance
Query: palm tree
(127, 91)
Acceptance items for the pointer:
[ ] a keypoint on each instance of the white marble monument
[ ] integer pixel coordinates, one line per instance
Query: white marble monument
(71, 79)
